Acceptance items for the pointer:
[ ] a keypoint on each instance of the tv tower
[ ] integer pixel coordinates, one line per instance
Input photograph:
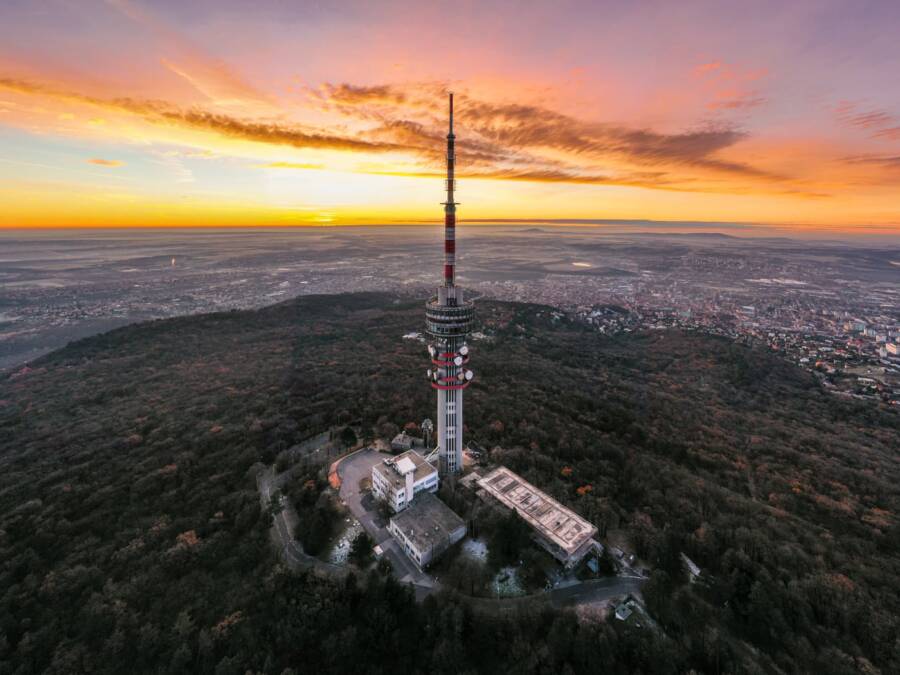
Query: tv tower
(448, 320)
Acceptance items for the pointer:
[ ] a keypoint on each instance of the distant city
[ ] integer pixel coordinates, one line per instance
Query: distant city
(830, 307)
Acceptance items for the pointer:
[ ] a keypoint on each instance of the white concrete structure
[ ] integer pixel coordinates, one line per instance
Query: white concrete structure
(448, 320)
(398, 479)
(562, 532)
(426, 529)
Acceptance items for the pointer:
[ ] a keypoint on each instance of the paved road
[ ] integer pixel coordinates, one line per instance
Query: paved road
(355, 467)
(284, 525)
(595, 591)
(352, 469)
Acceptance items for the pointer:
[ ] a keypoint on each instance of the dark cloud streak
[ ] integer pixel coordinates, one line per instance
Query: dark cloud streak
(502, 141)
(225, 125)
(879, 123)
(509, 132)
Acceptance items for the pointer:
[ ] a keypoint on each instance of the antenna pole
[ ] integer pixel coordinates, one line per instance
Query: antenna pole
(448, 320)
(450, 207)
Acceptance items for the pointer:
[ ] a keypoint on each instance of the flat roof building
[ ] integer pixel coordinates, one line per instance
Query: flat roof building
(625, 609)
(562, 532)
(426, 529)
(398, 479)
(403, 442)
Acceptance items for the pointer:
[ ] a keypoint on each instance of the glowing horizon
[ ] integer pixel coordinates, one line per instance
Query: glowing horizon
(117, 113)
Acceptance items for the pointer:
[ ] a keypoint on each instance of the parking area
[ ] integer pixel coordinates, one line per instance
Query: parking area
(360, 502)
(352, 470)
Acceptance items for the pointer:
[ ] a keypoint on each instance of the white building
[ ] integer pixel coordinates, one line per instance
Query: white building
(426, 529)
(398, 479)
(562, 532)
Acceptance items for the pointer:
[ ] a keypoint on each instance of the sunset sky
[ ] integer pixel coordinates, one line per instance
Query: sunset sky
(218, 112)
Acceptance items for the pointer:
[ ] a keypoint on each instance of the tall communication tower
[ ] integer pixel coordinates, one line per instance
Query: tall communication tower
(448, 320)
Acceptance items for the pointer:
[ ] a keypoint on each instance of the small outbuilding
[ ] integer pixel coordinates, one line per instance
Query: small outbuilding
(624, 609)
(692, 568)
(403, 442)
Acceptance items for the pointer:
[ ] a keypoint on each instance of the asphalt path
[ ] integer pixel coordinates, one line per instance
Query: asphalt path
(352, 470)
(595, 591)
(357, 466)
(283, 526)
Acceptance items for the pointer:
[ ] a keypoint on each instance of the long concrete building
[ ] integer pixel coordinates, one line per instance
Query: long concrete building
(562, 532)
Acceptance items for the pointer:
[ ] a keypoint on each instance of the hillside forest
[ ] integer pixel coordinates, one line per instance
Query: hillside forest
(132, 536)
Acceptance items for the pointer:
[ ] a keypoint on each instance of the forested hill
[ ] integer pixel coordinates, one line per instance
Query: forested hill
(131, 535)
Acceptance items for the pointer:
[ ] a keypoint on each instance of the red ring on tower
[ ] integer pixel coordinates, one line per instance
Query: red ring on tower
(449, 363)
(449, 387)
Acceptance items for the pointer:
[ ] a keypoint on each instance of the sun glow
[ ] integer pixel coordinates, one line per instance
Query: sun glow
(171, 134)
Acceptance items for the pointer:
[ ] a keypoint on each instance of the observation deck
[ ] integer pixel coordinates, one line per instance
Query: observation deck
(446, 321)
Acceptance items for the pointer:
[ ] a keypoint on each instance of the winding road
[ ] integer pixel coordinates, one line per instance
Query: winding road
(351, 469)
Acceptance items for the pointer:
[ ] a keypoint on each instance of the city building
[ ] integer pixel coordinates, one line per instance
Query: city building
(448, 320)
(426, 529)
(562, 532)
(397, 480)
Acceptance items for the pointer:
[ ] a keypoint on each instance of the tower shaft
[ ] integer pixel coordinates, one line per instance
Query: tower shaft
(448, 319)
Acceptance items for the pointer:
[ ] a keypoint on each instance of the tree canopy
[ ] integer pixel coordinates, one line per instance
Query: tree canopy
(131, 530)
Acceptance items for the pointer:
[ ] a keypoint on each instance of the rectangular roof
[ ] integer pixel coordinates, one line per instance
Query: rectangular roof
(427, 521)
(548, 517)
(405, 465)
(392, 468)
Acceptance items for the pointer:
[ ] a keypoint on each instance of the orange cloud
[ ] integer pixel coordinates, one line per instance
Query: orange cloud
(106, 162)
(504, 129)
(500, 141)
(353, 95)
(198, 119)
(704, 68)
(727, 86)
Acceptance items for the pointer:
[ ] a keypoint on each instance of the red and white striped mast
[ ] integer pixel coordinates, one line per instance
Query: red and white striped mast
(450, 207)
(448, 318)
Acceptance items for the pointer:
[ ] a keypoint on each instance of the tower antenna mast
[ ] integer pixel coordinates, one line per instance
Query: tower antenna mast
(450, 206)
(448, 320)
